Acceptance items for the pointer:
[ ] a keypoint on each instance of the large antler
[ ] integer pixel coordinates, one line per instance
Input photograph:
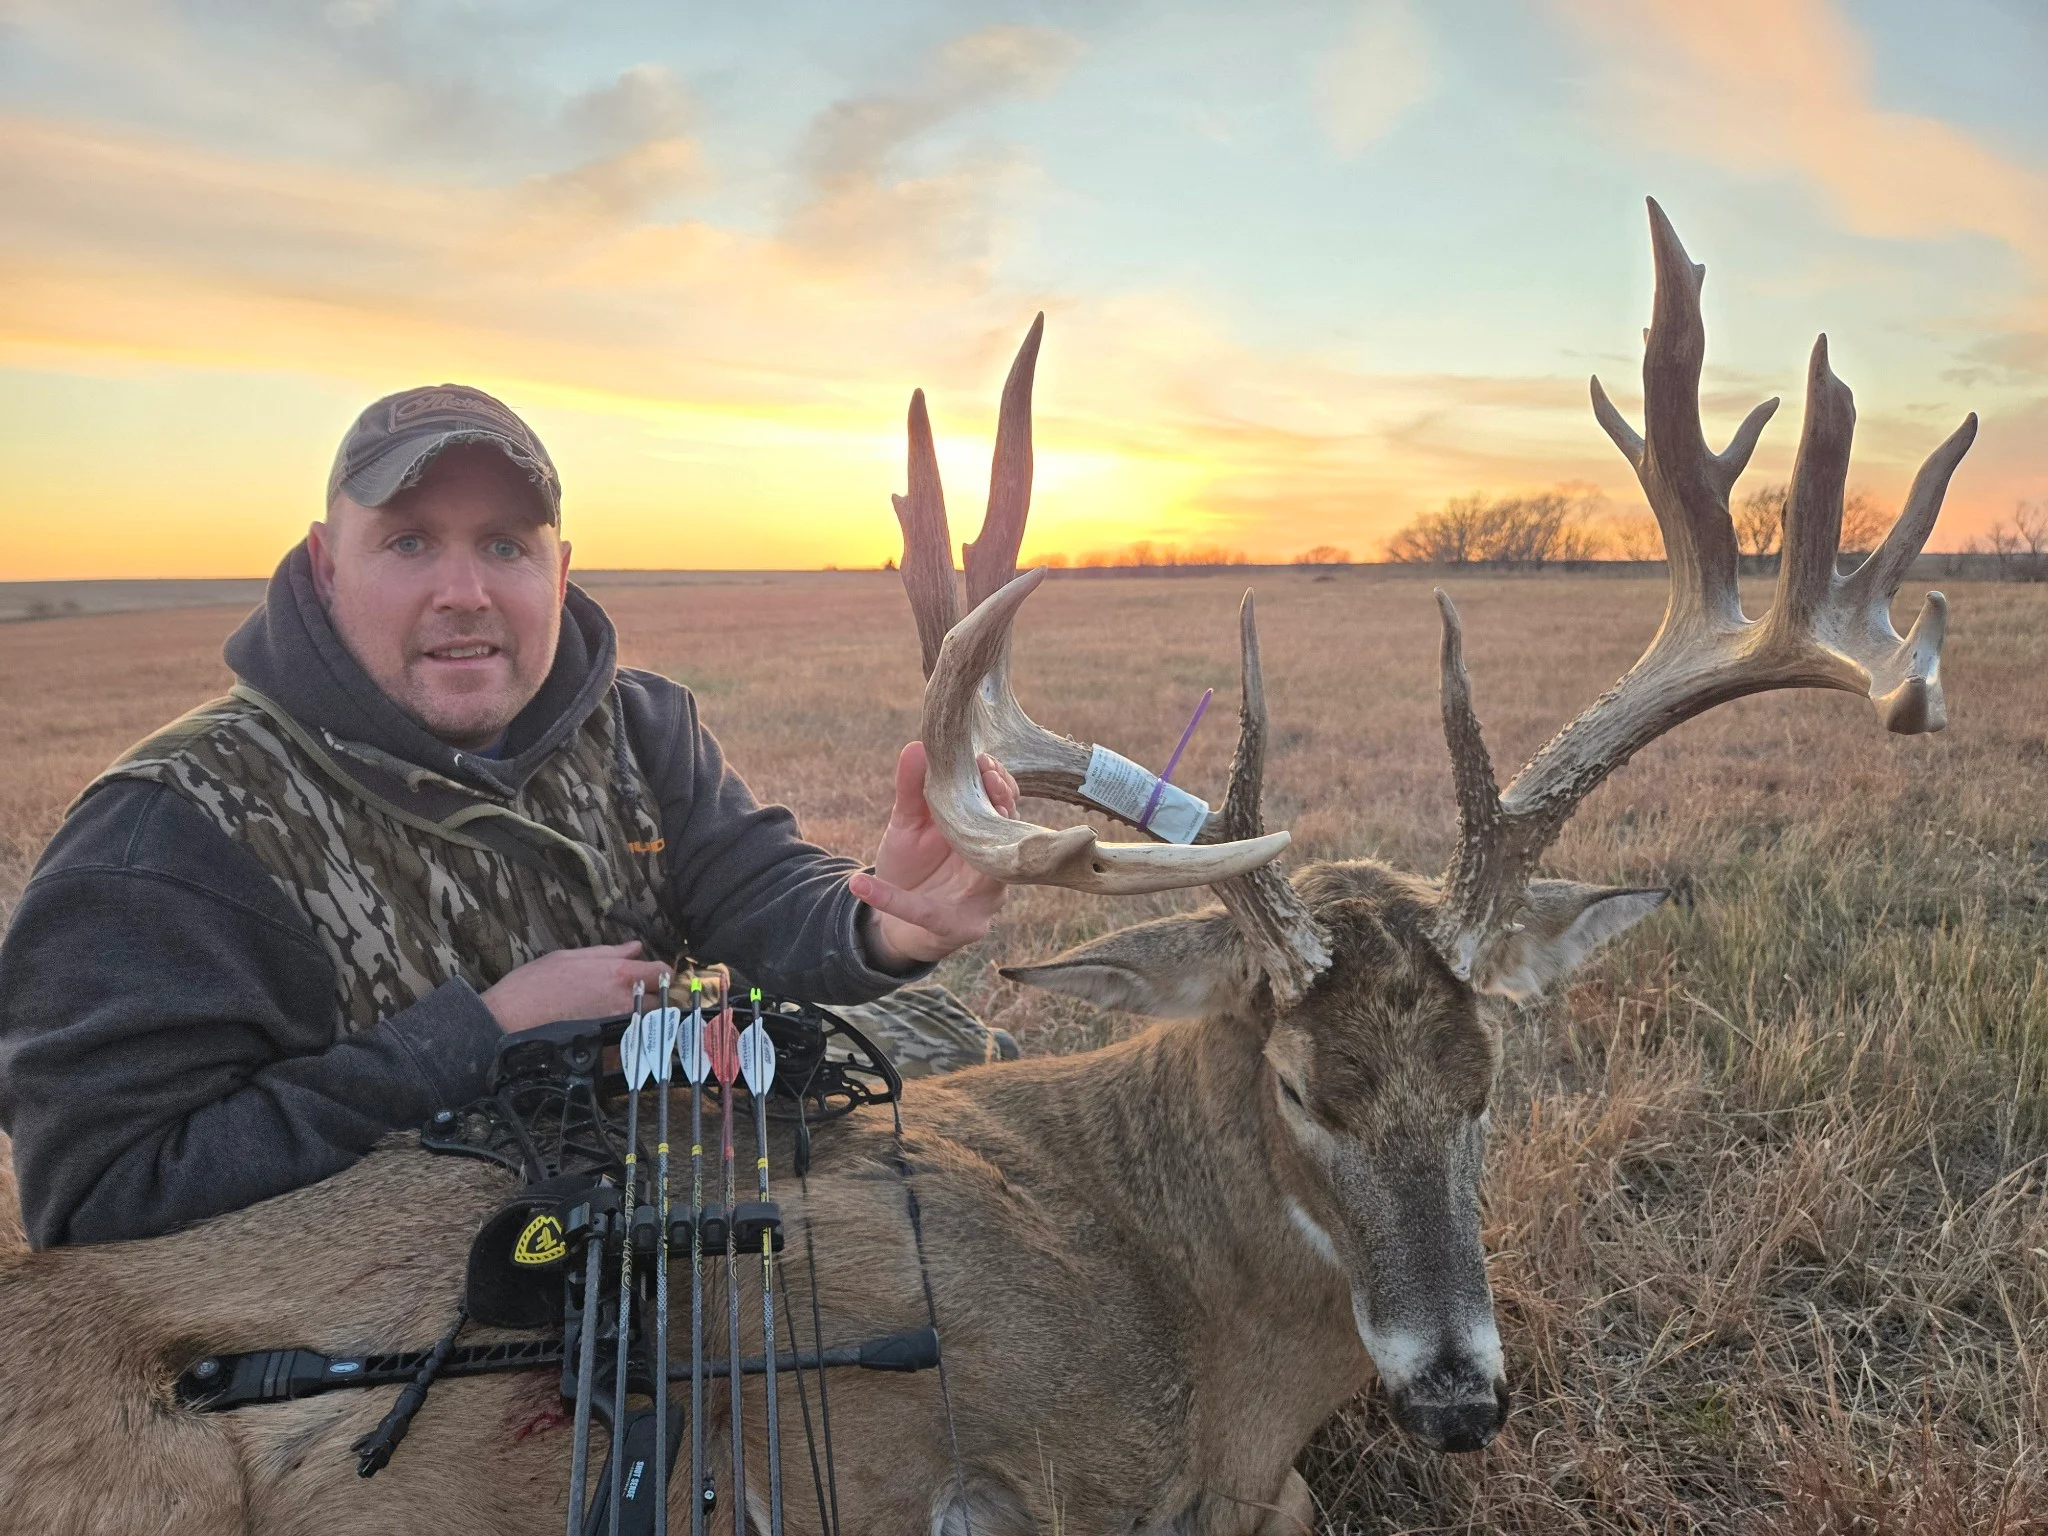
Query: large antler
(1823, 630)
(970, 709)
(1044, 763)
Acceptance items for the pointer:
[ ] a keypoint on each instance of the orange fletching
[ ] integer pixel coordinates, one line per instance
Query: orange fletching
(722, 1045)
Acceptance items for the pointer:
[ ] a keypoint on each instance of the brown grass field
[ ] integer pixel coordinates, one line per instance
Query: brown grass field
(1768, 1202)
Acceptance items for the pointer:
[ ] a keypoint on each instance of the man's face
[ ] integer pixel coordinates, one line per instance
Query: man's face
(450, 594)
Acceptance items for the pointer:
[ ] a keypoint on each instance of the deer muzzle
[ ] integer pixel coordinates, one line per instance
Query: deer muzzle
(1447, 1389)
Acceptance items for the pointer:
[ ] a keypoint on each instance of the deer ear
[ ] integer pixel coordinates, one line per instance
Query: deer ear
(1170, 968)
(1562, 923)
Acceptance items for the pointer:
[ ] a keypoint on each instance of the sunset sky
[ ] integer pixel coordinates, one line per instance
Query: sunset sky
(1307, 269)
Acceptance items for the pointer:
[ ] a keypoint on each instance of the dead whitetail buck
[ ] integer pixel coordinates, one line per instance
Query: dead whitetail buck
(1157, 1267)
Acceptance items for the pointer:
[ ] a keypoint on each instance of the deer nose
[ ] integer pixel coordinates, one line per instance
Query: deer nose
(1453, 1416)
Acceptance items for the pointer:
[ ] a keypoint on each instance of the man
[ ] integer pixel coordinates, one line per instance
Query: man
(432, 810)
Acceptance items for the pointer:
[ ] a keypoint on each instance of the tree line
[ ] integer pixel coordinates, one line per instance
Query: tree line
(1570, 523)
(2018, 547)
(1544, 529)
(1567, 524)
(1146, 554)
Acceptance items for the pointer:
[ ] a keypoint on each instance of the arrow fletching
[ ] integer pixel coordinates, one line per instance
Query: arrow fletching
(721, 1044)
(662, 1041)
(632, 1052)
(757, 1059)
(690, 1047)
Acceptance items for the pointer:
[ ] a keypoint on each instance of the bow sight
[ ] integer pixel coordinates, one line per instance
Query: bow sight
(582, 1249)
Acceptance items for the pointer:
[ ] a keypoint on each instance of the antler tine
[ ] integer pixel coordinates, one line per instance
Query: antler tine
(1813, 502)
(1480, 821)
(927, 545)
(1880, 575)
(1282, 936)
(1471, 764)
(1243, 811)
(1686, 484)
(1823, 630)
(991, 560)
(1021, 852)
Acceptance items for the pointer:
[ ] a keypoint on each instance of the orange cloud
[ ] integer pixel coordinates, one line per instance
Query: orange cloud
(1784, 85)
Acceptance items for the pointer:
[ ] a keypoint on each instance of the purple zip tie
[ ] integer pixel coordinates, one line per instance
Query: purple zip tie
(1173, 762)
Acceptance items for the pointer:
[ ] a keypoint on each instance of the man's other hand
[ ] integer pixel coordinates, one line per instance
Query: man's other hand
(927, 900)
(591, 983)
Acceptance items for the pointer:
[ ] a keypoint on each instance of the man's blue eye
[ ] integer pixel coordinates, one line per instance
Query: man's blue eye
(408, 544)
(505, 549)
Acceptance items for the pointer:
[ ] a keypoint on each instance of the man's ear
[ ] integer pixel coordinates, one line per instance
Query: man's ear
(1170, 968)
(322, 559)
(1562, 923)
(562, 574)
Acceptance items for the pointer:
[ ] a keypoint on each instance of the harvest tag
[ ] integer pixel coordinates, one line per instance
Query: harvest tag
(1117, 784)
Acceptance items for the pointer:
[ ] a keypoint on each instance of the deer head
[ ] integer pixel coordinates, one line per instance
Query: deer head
(1363, 983)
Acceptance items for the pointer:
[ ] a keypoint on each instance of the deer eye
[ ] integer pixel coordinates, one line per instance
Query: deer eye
(1293, 1097)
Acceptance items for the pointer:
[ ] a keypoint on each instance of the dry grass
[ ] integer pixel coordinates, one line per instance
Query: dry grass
(1766, 1206)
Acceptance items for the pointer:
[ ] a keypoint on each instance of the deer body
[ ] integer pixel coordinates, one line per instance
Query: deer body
(1142, 1322)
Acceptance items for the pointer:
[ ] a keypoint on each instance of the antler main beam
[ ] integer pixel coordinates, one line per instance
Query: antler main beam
(1823, 630)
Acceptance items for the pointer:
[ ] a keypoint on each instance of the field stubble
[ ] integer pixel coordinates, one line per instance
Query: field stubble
(1767, 1206)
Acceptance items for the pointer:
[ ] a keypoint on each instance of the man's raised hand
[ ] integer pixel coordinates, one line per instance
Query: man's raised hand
(927, 900)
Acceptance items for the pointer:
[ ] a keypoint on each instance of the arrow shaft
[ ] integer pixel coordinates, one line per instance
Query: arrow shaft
(616, 1501)
(732, 1297)
(586, 1367)
(1173, 762)
(663, 1076)
(768, 1323)
(697, 1304)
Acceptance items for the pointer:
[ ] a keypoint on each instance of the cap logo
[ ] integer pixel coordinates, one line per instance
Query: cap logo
(421, 409)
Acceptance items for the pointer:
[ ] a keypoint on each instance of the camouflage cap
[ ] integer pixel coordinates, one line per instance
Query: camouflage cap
(394, 440)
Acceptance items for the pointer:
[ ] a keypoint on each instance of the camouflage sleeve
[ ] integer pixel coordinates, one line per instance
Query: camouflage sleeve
(744, 886)
(168, 1032)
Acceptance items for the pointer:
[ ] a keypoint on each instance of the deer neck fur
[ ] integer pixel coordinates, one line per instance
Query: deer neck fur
(1172, 1142)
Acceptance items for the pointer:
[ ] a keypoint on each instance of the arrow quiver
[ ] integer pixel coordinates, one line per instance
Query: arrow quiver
(553, 1115)
(551, 1260)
